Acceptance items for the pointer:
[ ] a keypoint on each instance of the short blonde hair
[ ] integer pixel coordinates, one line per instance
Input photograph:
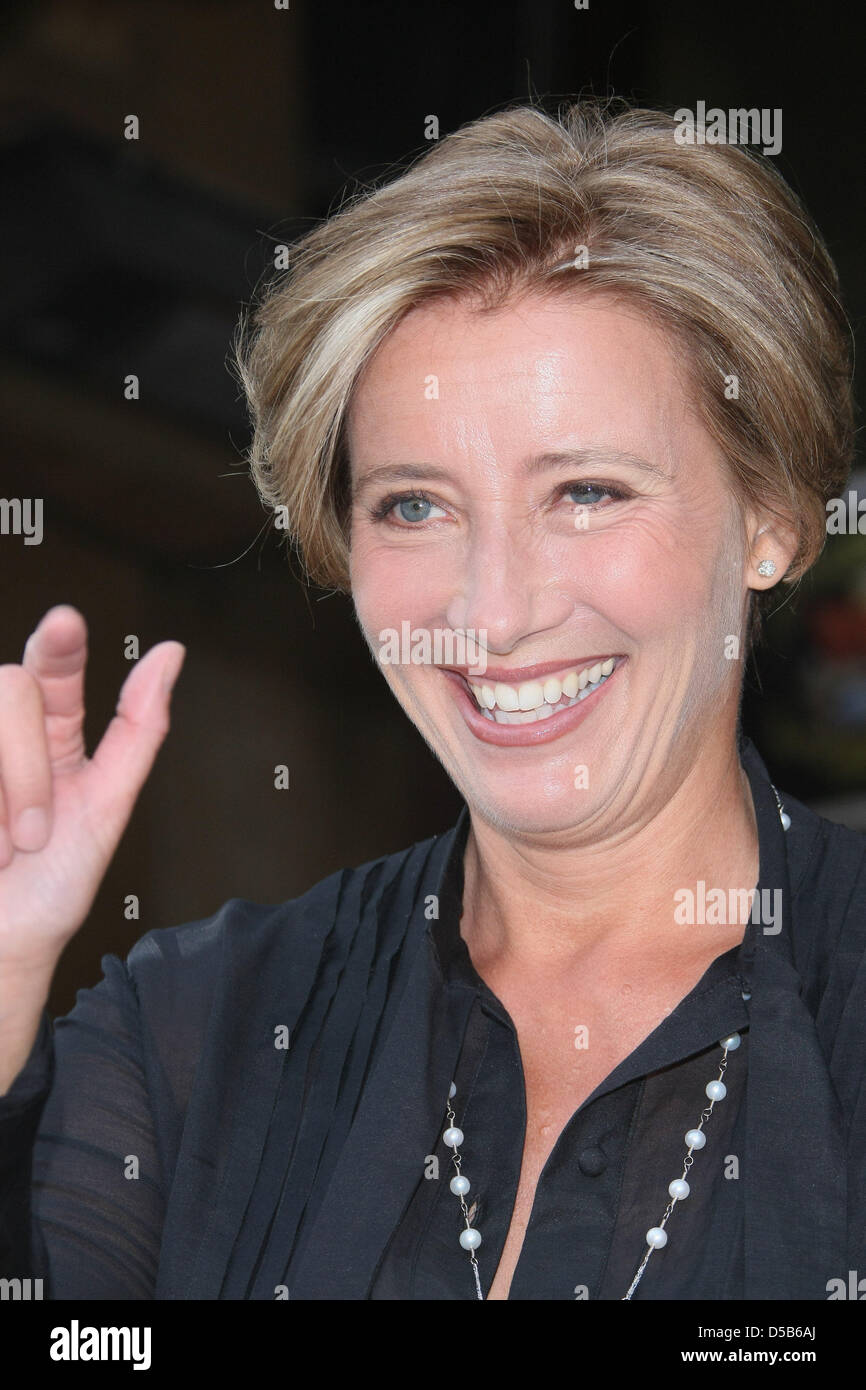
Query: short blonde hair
(708, 240)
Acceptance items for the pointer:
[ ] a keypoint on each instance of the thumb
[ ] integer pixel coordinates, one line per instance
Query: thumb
(129, 746)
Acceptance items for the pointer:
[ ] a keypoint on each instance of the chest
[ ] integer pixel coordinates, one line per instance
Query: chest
(553, 1094)
(563, 1062)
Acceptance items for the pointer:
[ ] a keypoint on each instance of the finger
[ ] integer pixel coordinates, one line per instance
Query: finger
(56, 655)
(132, 740)
(25, 770)
(7, 851)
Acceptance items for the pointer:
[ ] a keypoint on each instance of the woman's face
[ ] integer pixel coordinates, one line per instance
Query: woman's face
(549, 490)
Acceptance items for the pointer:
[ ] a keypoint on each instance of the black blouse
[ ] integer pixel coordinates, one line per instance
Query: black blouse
(252, 1106)
(606, 1181)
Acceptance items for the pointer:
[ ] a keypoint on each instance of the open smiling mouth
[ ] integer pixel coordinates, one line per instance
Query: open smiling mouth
(533, 711)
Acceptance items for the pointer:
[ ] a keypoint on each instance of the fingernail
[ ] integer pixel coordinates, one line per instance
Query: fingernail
(31, 828)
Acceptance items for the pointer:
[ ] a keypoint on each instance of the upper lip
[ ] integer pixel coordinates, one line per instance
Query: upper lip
(516, 675)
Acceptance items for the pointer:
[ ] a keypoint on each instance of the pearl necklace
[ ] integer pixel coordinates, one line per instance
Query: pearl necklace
(656, 1236)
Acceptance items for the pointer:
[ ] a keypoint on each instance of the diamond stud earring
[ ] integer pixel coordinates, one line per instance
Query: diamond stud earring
(766, 568)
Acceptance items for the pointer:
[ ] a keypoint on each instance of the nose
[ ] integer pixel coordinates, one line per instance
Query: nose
(505, 590)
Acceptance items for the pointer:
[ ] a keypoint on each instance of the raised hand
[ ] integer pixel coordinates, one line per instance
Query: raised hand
(62, 813)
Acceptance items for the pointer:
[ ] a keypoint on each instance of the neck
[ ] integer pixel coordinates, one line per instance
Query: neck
(542, 908)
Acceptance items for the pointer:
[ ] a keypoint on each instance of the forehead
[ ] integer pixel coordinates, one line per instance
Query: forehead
(541, 364)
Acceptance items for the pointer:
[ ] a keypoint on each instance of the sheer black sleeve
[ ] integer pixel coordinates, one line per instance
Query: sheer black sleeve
(81, 1188)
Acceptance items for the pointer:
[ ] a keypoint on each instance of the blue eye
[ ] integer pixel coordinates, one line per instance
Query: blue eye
(416, 504)
(414, 508)
(589, 494)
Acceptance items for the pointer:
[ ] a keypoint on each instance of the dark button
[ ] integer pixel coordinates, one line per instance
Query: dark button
(592, 1162)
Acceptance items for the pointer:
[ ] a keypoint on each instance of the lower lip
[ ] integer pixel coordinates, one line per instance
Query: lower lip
(524, 735)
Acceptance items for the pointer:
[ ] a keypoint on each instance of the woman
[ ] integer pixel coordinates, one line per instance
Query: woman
(575, 396)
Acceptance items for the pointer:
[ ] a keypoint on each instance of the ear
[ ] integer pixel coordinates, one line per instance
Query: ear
(772, 541)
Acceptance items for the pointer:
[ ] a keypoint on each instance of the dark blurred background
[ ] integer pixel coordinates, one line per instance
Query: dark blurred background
(133, 257)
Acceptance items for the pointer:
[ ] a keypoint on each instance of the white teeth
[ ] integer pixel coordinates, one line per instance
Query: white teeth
(506, 697)
(552, 691)
(514, 716)
(530, 695)
(507, 704)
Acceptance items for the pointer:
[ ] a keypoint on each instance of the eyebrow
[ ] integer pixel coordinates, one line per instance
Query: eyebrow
(591, 456)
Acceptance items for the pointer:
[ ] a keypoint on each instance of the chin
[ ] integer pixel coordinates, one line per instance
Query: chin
(516, 810)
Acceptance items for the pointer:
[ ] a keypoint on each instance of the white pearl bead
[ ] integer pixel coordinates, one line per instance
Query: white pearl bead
(452, 1093)
(656, 1237)
(459, 1186)
(731, 1042)
(716, 1090)
(695, 1138)
(786, 821)
(470, 1239)
(679, 1189)
(453, 1137)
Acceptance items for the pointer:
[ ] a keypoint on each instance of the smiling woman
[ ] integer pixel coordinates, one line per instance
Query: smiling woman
(581, 392)
(596, 390)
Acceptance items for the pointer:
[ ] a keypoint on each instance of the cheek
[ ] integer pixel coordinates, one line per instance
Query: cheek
(639, 577)
(365, 590)
(673, 570)
(391, 583)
